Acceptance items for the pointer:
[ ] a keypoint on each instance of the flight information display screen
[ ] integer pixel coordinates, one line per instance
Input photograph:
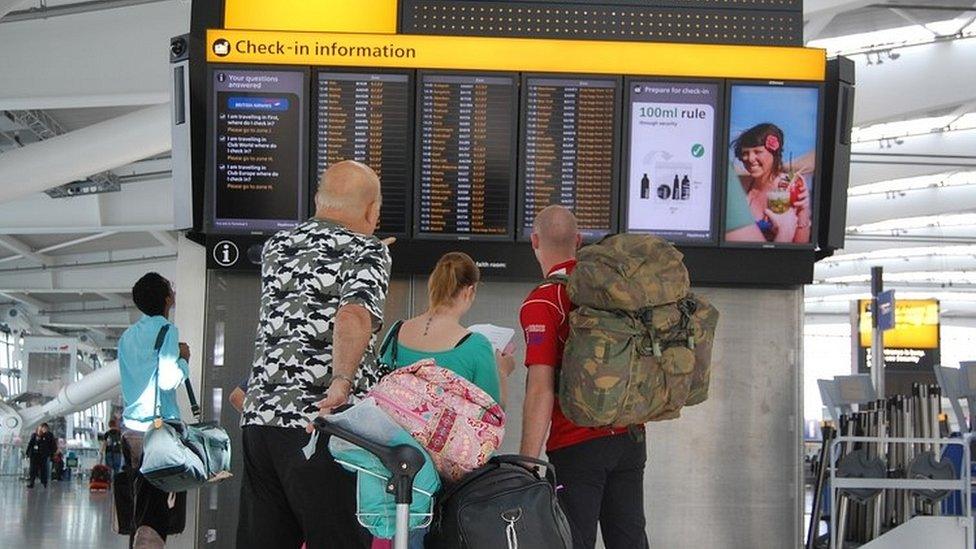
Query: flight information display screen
(258, 163)
(569, 150)
(466, 141)
(671, 148)
(368, 117)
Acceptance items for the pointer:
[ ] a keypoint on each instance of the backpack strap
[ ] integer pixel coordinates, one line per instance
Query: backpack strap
(557, 279)
(160, 339)
(392, 338)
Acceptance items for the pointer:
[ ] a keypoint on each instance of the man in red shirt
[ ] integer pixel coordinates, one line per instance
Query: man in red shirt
(601, 469)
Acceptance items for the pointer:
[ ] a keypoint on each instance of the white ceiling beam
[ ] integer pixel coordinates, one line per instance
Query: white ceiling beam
(815, 25)
(124, 59)
(818, 8)
(84, 152)
(7, 6)
(66, 291)
(911, 203)
(116, 299)
(84, 229)
(166, 239)
(917, 155)
(105, 277)
(23, 251)
(140, 207)
(32, 303)
(920, 81)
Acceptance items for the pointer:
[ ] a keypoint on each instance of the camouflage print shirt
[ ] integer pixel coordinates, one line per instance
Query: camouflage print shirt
(307, 273)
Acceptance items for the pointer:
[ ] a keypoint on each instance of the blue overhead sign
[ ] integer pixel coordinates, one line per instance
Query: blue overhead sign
(886, 310)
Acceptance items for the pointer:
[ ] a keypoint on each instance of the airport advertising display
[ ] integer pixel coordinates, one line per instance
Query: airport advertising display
(258, 127)
(773, 152)
(671, 150)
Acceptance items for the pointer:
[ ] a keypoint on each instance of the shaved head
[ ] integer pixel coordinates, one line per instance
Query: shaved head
(555, 228)
(347, 185)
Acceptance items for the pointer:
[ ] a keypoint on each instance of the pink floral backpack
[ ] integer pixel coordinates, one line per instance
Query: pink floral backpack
(459, 424)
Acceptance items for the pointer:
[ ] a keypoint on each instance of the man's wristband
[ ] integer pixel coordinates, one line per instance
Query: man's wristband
(347, 379)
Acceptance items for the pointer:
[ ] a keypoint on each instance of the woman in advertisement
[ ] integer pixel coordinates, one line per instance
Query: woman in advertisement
(776, 197)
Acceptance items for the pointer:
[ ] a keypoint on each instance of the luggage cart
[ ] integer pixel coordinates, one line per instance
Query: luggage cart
(930, 528)
(403, 461)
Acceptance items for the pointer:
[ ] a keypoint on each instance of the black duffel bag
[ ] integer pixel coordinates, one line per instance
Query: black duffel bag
(503, 505)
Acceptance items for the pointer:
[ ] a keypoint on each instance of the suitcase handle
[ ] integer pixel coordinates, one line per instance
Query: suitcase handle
(515, 459)
(403, 461)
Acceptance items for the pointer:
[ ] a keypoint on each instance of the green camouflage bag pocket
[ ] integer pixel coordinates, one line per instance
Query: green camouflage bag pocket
(704, 321)
(596, 368)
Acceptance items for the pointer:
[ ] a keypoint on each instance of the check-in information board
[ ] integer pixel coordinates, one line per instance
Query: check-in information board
(467, 145)
(367, 117)
(258, 170)
(569, 135)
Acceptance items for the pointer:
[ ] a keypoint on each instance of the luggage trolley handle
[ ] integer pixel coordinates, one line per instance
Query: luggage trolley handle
(403, 460)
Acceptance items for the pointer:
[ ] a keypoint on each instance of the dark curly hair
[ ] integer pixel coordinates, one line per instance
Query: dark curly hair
(150, 293)
(756, 137)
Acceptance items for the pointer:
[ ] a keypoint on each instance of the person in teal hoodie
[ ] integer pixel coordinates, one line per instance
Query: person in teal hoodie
(150, 378)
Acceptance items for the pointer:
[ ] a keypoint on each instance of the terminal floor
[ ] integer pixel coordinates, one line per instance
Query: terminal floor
(65, 514)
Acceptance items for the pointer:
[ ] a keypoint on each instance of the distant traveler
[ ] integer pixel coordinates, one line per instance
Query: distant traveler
(601, 469)
(323, 288)
(112, 446)
(138, 364)
(40, 449)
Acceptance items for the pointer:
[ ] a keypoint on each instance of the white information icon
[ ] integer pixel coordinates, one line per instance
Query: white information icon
(225, 253)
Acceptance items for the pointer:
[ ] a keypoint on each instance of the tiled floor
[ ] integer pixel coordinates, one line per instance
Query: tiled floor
(61, 515)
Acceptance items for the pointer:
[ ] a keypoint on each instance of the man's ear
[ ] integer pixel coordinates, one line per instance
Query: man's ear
(579, 240)
(535, 241)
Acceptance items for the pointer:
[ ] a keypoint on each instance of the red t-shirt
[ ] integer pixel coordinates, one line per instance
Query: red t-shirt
(545, 323)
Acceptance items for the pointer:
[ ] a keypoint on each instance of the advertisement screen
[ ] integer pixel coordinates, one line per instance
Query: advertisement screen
(258, 167)
(671, 169)
(773, 134)
(569, 150)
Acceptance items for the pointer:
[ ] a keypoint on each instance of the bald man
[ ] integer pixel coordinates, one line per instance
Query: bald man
(323, 286)
(601, 470)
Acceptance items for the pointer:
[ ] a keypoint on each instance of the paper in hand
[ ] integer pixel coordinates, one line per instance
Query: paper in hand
(501, 338)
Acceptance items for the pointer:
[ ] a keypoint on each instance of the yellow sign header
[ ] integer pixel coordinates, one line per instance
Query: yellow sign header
(379, 16)
(516, 54)
(916, 324)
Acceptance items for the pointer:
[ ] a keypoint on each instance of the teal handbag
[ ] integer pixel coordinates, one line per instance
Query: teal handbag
(178, 457)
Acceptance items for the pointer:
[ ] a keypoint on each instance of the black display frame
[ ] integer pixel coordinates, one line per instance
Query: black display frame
(416, 234)
(521, 235)
(313, 175)
(209, 198)
(819, 156)
(718, 158)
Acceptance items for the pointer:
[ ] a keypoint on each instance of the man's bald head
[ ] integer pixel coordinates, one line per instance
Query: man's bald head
(349, 193)
(555, 229)
(347, 185)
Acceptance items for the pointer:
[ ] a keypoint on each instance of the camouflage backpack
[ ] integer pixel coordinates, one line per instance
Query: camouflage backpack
(640, 344)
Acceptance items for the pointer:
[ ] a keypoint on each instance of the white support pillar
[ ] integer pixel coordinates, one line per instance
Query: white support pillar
(76, 155)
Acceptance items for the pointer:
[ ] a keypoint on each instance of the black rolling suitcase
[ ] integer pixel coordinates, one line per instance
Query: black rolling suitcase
(504, 504)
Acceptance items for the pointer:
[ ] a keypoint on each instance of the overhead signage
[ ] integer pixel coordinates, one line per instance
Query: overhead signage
(515, 54)
(886, 310)
(913, 343)
(313, 16)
